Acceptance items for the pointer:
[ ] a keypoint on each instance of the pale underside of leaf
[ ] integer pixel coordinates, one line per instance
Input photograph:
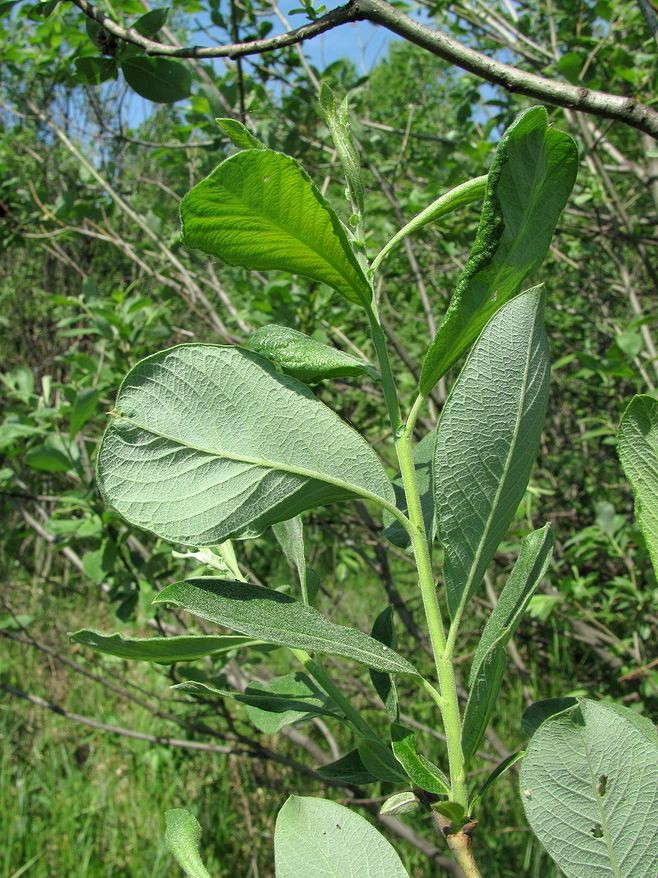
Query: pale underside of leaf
(210, 443)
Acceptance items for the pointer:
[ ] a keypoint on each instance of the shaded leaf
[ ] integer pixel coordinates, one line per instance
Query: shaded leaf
(400, 803)
(540, 711)
(379, 760)
(161, 80)
(384, 632)
(260, 210)
(210, 443)
(638, 452)
(531, 176)
(48, 460)
(84, 407)
(277, 618)
(348, 769)
(151, 22)
(92, 70)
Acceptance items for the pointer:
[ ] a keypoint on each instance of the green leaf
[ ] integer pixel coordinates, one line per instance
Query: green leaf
(210, 443)
(337, 119)
(183, 834)
(239, 134)
(161, 80)
(92, 70)
(348, 769)
(305, 358)
(316, 838)
(421, 771)
(540, 711)
(638, 452)
(379, 760)
(277, 618)
(260, 210)
(424, 466)
(151, 22)
(489, 660)
(589, 785)
(84, 407)
(275, 704)
(400, 803)
(531, 177)
(163, 650)
(487, 440)
(384, 632)
(290, 536)
(296, 698)
(48, 460)
(498, 771)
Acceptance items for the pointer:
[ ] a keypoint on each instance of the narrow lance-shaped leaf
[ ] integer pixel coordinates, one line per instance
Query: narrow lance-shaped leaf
(337, 119)
(239, 134)
(183, 835)
(290, 536)
(384, 632)
(379, 760)
(163, 650)
(260, 210)
(421, 771)
(487, 440)
(531, 176)
(306, 358)
(348, 769)
(424, 466)
(489, 660)
(638, 452)
(277, 618)
(589, 785)
(316, 838)
(209, 443)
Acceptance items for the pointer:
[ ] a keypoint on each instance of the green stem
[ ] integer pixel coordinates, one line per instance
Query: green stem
(473, 190)
(320, 676)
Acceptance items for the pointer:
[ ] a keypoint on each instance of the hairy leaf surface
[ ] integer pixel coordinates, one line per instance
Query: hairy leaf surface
(316, 838)
(531, 177)
(638, 452)
(164, 650)
(589, 785)
(209, 443)
(260, 210)
(487, 440)
(183, 835)
(277, 618)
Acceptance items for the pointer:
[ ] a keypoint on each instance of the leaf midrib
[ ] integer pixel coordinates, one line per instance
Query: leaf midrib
(265, 463)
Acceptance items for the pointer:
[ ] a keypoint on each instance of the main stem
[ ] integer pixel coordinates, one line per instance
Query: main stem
(449, 705)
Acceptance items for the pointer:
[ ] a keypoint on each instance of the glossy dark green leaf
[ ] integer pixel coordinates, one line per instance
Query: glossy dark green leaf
(424, 465)
(384, 632)
(277, 618)
(183, 837)
(151, 22)
(348, 769)
(531, 176)
(260, 210)
(161, 80)
(379, 760)
(498, 771)
(540, 711)
(92, 70)
(164, 650)
(487, 440)
(48, 460)
(209, 443)
(304, 357)
(84, 408)
(421, 772)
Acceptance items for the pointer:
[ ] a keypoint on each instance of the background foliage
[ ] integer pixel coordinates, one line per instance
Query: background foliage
(93, 277)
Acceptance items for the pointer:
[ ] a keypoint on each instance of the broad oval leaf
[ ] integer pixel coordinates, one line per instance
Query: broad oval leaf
(589, 785)
(183, 834)
(304, 357)
(489, 660)
(316, 838)
(260, 210)
(487, 440)
(209, 443)
(163, 650)
(638, 452)
(161, 80)
(277, 618)
(531, 176)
